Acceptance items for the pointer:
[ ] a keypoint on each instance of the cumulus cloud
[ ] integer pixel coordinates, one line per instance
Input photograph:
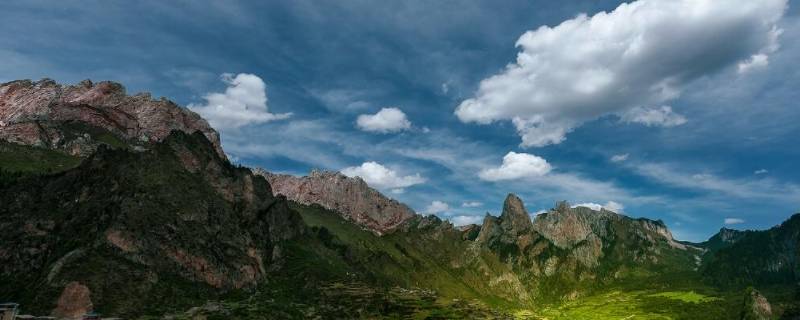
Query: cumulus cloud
(761, 171)
(380, 177)
(619, 157)
(610, 206)
(640, 55)
(385, 121)
(730, 221)
(463, 220)
(244, 102)
(471, 204)
(653, 117)
(437, 206)
(517, 166)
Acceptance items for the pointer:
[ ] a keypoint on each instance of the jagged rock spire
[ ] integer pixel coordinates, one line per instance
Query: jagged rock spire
(514, 217)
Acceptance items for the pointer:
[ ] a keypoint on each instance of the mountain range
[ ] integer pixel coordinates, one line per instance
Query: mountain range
(128, 206)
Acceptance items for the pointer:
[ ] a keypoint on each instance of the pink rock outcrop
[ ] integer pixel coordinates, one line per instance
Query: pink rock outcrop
(351, 197)
(47, 114)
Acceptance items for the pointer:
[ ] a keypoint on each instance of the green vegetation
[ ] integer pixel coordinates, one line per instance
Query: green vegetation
(645, 305)
(27, 159)
(684, 296)
(173, 197)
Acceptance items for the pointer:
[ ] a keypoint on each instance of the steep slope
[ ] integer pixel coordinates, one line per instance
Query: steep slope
(352, 197)
(759, 257)
(722, 239)
(125, 230)
(76, 119)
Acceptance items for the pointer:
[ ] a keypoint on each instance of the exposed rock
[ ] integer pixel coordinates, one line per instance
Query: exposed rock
(514, 217)
(567, 226)
(351, 197)
(513, 229)
(755, 306)
(78, 118)
(74, 301)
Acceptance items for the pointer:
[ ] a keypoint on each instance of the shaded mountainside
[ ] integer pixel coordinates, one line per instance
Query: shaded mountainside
(78, 118)
(352, 197)
(758, 257)
(126, 229)
(723, 239)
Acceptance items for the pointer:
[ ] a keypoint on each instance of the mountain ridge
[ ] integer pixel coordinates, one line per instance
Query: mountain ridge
(116, 225)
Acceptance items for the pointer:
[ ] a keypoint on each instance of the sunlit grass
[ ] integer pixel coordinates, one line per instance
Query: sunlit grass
(685, 296)
(639, 305)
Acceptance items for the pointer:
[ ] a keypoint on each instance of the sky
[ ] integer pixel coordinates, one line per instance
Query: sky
(682, 110)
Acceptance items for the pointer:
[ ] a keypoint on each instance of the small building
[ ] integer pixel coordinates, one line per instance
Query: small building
(8, 311)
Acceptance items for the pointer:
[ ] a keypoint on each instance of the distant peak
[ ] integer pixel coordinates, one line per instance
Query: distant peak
(562, 206)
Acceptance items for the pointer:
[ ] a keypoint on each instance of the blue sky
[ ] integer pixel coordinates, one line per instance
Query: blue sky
(701, 114)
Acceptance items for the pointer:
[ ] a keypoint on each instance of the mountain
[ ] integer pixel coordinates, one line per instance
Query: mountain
(126, 229)
(351, 197)
(76, 119)
(594, 236)
(722, 239)
(95, 217)
(757, 257)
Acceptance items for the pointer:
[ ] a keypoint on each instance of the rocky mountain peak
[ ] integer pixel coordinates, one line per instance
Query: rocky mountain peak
(78, 118)
(729, 235)
(351, 197)
(514, 216)
(567, 226)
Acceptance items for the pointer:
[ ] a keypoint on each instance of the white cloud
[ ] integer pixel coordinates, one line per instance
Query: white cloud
(380, 177)
(763, 188)
(619, 157)
(385, 121)
(610, 206)
(653, 117)
(761, 60)
(471, 204)
(517, 166)
(642, 54)
(614, 206)
(465, 220)
(437, 207)
(757, 61)
(244, 102)
(733, 221)
(761, 171)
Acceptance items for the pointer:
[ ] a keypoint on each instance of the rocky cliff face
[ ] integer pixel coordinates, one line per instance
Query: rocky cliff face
(755, 306)
(591, 235)
(351, 197)
(513, 227)
(77, 118)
